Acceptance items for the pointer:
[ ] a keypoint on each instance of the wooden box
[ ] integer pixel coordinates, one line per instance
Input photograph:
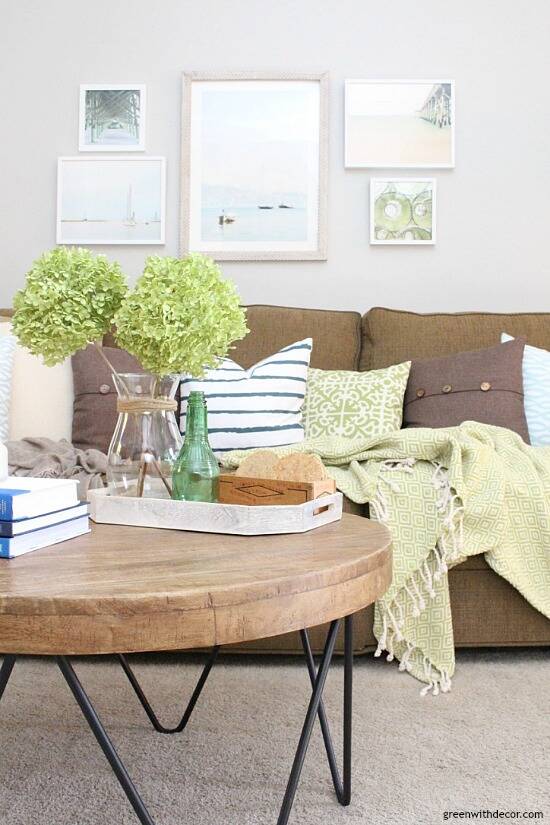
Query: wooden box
(262, 491)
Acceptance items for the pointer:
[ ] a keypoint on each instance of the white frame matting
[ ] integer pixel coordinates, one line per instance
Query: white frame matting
(315, 248)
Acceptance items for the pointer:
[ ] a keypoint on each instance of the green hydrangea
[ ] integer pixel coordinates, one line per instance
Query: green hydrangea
(69, 300)
(181, 317)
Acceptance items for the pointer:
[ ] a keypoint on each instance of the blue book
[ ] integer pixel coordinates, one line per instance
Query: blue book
(8, 529)
(24, 497)
(36, 539)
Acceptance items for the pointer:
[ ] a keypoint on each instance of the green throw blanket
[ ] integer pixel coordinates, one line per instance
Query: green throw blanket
(444, 494)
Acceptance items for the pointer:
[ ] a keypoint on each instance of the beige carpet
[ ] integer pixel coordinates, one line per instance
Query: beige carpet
(485, 745)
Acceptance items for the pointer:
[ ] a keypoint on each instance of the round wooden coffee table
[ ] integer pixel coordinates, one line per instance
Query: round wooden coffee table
(119, 590)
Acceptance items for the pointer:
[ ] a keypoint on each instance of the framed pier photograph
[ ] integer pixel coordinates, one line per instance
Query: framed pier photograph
(111, 118)
(254, 166)
(406, 124)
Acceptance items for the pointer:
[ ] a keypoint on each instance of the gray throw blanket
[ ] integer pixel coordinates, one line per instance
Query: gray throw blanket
(44, 458)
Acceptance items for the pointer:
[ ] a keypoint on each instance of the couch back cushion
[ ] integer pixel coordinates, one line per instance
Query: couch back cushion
(390, 336)
(94, 411)
(336, 336)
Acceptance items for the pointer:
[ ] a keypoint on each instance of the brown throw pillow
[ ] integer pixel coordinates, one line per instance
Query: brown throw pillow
(94, 410)
(485, 385)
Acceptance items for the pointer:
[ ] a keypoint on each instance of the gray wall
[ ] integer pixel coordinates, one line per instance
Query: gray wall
(493, 209)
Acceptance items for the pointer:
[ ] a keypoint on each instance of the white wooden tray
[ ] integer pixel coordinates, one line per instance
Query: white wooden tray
(214, 518)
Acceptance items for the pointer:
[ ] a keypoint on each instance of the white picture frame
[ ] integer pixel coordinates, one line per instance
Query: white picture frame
(111, 200)
(115, 137)
(399, 124)
(241, 205)
(410, 211)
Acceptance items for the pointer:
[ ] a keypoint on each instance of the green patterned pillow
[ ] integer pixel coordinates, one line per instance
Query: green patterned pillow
(355, 404)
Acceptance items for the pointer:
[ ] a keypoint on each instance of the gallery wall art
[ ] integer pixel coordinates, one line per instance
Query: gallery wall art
(402, 211)
(111, 200)
(399, 123)
(254, 166)
(112, 118)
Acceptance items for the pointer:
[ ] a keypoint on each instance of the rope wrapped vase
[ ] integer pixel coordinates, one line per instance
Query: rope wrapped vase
(146, 441)
(145, 405)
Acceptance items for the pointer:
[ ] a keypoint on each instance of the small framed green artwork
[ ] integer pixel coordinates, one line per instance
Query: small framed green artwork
(402, 211)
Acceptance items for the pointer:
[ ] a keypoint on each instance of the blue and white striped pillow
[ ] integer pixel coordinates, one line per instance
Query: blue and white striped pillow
(259, 407)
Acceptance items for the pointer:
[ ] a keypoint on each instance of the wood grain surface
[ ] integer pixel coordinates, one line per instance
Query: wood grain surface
(125, 589)
(263, 491)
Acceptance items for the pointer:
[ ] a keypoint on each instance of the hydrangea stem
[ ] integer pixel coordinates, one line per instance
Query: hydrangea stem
(99, 349)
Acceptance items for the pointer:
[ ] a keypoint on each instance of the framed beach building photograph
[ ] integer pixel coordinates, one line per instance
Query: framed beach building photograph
(402, 211)
(254, 166)
(399, 123)
(112, 118)
(111, 200)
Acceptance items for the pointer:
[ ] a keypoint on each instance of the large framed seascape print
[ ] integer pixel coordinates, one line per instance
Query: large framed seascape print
(254, 166)
(400, 123)
(113, 200)
(402, 211)
(112, 118)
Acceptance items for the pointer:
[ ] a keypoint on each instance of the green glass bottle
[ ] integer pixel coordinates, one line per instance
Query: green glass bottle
(196, 473)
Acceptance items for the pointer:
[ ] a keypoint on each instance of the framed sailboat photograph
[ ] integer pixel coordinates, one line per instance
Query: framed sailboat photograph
(107, 201)
(254, 166)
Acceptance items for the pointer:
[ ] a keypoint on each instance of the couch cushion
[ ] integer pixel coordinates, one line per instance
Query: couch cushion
(336, 335)
(485, 385)
(355, 404)
(391, 336)
(259, 407)
(94, 412)
(487, 610)
(355, 509)
(8, 345)
(52, 415)
(536, 392)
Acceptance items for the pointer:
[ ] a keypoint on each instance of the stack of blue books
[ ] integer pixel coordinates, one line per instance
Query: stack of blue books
(37, 512)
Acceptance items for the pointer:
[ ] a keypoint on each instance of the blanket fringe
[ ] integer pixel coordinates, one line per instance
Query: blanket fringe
(448, 549)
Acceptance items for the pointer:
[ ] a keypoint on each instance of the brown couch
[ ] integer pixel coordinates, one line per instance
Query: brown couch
(486, 609)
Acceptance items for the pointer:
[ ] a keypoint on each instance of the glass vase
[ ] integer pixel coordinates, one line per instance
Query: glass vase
(196, 472)
(146, 441)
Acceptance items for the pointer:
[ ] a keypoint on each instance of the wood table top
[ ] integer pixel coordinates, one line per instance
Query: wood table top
(128, 589)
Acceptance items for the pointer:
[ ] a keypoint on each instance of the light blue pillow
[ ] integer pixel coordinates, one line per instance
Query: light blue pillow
(536, 391)
(7, 351)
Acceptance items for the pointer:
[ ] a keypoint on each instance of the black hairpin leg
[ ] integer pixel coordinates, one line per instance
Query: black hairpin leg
(342, 786)
(318, 678)
(5, 672)
(192, 702)
(105, 743)
(315, 708)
